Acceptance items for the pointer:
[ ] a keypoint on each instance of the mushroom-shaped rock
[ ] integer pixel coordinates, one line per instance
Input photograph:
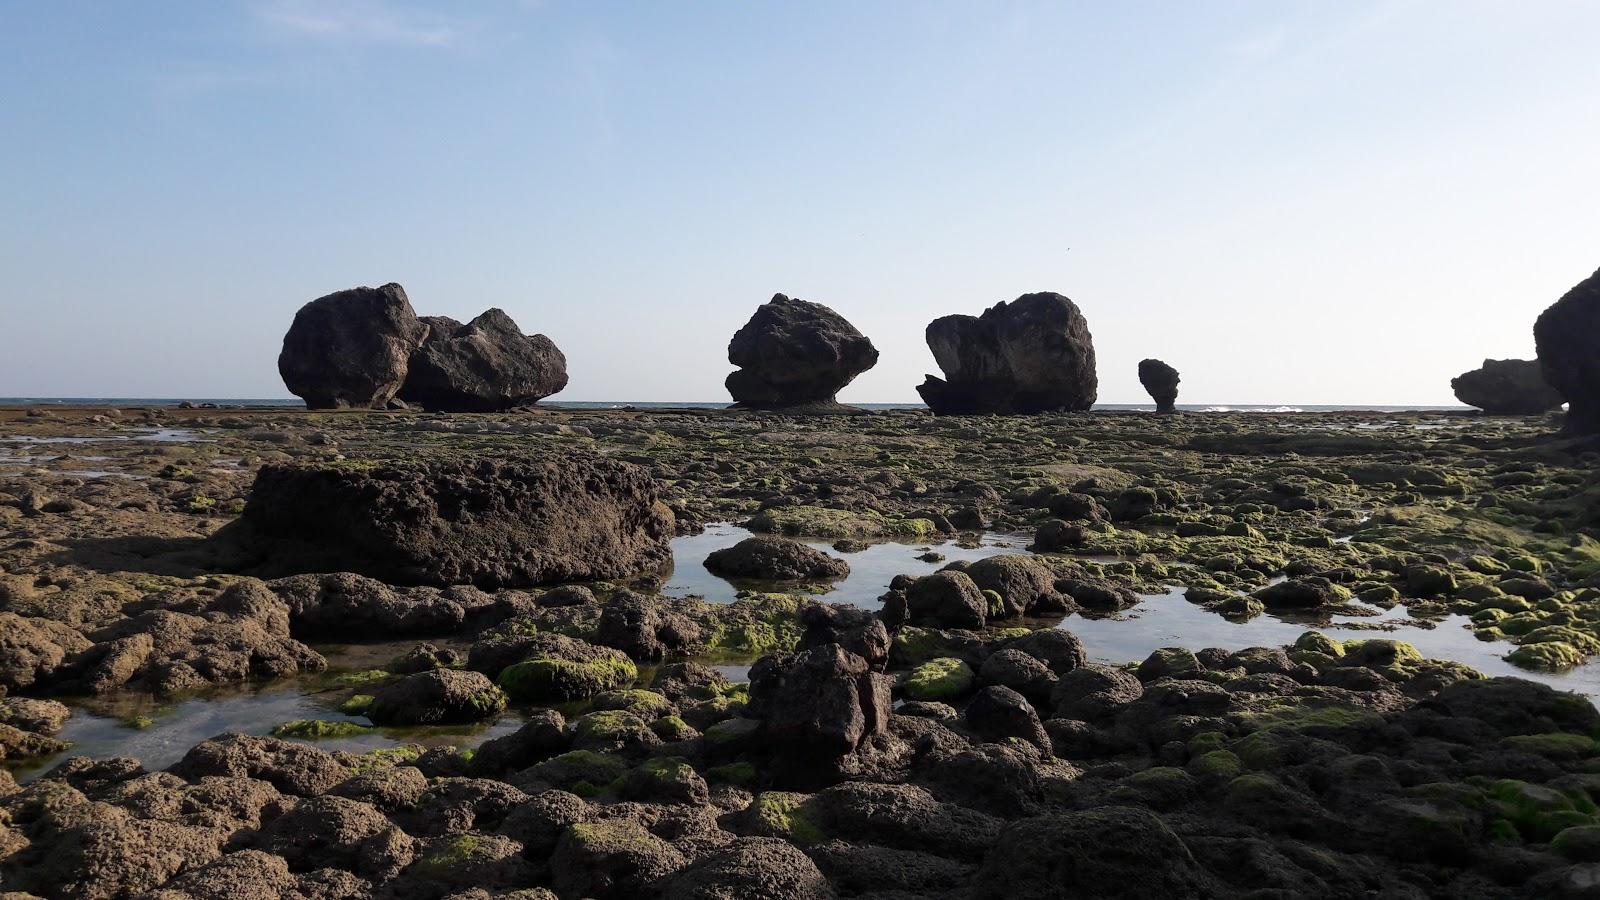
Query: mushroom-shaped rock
(795, 353)
(442, 696)
(1568, 338)
(1160, 382)
(1507, 387)
(351, 348)
(492, 521)
(485, 365)
(775, 559)
(1034, 354)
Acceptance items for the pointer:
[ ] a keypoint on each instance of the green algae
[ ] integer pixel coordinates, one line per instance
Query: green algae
(314, 729)
(547, 679)
(943, 678)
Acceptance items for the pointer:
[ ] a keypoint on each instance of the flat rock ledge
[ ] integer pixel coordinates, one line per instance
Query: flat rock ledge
(492, 522)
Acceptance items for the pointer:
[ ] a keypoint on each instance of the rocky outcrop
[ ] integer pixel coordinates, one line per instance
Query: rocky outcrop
(443, 520)
(366, 348)
(485, 365)
(795, 353)
(1568, 338)
(1160, 382)
(819, 705)
(443, 696)
(351, 348)
(1034, 354)
(1507, 387)
(775, 559)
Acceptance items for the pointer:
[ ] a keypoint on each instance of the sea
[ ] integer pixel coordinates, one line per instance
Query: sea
(293, 403)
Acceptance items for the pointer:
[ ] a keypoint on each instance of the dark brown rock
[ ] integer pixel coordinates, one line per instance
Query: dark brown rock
(821, 703)
(488, 521)
(1034, 354)
(351, 348)
(1507, 387)
(485, 365)
(1568, 339)
(775, 559)
(794, 353)
(1160, 382)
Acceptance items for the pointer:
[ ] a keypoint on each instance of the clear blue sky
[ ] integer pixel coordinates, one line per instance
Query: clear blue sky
(1292, 202)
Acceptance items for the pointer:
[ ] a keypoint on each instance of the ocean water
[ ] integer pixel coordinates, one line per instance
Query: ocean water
(293, 403)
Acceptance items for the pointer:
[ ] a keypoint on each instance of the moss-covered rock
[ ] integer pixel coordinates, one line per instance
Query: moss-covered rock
(944, 678)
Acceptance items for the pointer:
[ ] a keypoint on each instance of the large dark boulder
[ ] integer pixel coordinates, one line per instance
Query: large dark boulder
(775, 559)
(1568, 338)
(795, 353)
(492, 521)
(1507, 387)
(819, 705)
(1160, 382)
(485, 365)
(1034, 354)
(351, 348)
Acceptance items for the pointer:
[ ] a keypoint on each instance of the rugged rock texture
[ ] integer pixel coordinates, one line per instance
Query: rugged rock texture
(775, 559)
(1160, 382)
(1507, 387)
(443, 696)
(1568, 339)
(443, 520)
(351, 348)
(1034, 354)
(795, 353)
(819, 705)
(485, 365)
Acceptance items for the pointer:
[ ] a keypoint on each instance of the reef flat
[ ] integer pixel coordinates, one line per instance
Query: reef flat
(908, 685)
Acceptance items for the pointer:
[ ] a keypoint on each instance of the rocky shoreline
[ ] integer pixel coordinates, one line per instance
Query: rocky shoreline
(946, 740)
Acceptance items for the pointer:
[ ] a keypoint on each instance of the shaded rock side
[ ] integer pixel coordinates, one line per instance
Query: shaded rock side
(351, 348)
(485, 365)
(1568, 339)
(492, 522)
(793, 353)
(1034, 354)
(1160, 382)
(1507, 387)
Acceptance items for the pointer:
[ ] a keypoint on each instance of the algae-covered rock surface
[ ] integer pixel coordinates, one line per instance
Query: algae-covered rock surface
(1301, 655)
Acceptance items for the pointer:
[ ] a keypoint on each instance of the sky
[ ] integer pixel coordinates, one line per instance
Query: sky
(1291, 202)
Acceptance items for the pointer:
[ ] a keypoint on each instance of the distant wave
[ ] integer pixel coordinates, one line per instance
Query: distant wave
(1254, 409)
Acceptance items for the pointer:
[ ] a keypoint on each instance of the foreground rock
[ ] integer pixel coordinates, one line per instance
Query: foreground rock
(440, 697)
(775, 559)
(1507, 387)
(1034, 354)
(1568, 338)
(819, 707)
(485, 365)
(795, 353)
(351, 348)
(492, 522)
(1160, 382)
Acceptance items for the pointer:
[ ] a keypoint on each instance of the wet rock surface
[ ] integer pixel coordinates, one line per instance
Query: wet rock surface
(1033, 354)
(795, 353)
(948, 740)
(1507, 387)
